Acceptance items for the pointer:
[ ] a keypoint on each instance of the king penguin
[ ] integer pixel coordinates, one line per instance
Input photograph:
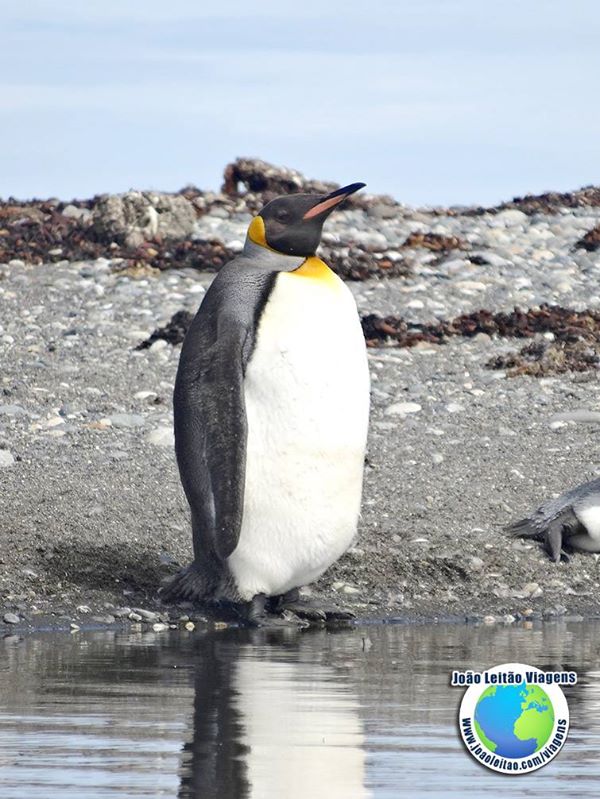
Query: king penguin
(572, 519)
(271, 418)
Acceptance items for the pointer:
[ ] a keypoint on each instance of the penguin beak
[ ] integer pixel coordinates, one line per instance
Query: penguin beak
(325, 205)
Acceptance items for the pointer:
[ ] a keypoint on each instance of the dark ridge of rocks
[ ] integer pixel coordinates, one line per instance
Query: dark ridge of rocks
(575, 347)
(549, 202)
(591, 240)
(435, 242)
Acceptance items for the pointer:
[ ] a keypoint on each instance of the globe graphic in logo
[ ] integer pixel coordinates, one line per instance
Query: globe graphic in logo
(514, 720)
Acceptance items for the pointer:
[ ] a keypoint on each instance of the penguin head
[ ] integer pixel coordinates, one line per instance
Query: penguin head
(292, 224)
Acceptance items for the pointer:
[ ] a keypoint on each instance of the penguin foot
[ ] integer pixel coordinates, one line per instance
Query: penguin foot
(258, 613)
(305, 610)
(315, 612)
(189, 584)
(311, 610)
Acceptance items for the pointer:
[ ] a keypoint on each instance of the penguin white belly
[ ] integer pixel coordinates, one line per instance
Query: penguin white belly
(590, 518)
(307, 405)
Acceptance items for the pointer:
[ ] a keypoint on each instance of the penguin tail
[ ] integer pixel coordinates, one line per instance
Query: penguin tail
(524, 528)
(189, 585)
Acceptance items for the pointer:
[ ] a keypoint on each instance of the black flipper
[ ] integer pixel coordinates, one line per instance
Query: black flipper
(552, 530)
(210, 420)
(524, 528)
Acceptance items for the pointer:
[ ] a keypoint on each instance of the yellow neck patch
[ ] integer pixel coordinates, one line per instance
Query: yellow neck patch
(316, 269)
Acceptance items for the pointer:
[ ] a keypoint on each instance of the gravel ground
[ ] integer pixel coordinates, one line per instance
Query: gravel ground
(92, 516)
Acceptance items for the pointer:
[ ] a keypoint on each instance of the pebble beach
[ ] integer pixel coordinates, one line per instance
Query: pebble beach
(92, 516)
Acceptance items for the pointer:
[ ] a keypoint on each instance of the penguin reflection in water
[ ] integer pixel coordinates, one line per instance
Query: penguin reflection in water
(250, 686)
(572, 520)
(271, 419)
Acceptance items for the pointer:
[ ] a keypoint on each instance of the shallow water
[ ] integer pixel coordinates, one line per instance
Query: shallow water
(364, 712)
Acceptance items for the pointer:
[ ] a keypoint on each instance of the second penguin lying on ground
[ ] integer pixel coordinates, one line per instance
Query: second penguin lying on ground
(573, 519)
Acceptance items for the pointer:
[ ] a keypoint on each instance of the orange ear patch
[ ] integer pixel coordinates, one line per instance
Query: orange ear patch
(256, 232)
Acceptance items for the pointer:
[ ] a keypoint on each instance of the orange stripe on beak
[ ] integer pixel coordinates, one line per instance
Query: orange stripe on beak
(325, 205)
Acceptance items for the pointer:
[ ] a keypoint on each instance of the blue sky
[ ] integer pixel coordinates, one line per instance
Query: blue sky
(432, 101)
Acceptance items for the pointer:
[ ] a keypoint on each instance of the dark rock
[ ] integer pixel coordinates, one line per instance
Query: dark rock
(260, 177)
(263, 181)
(591, 240)
(435, 242)
(146, 615)
(173, 332)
